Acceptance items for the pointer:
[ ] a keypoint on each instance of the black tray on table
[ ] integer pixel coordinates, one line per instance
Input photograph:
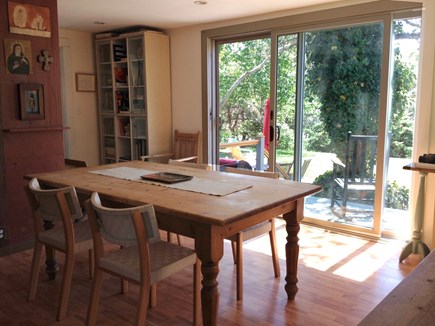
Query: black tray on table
(166, 177)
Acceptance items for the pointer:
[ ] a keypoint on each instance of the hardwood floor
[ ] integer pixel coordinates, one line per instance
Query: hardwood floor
(341, 278)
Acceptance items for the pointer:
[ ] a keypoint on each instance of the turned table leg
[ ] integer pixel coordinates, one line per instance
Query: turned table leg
(292, 248)
(209, 248)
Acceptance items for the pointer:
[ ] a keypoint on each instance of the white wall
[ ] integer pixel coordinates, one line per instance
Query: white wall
(187, 97)
(186, 79)
(77, 51)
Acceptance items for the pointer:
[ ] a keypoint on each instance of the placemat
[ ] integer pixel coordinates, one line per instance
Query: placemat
(197, 184)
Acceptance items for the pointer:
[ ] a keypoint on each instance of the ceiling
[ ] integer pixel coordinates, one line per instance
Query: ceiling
(81, 15)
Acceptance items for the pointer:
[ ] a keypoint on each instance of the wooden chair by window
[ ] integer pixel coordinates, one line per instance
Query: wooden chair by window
(185, 147)
(58, 205)
(71, 163)
(253, 232)
(354, 180)
(144, 258)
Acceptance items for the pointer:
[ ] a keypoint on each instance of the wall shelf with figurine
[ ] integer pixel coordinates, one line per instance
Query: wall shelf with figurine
(133, 74)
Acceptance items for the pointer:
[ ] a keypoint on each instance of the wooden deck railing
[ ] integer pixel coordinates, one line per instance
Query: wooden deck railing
(261, 153)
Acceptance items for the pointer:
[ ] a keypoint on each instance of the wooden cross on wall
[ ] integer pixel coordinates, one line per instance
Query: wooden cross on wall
(45, 59)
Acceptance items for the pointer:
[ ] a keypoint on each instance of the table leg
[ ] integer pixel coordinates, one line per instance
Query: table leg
(51, 267)
(417, 246)
(292, 248)
(209, 248)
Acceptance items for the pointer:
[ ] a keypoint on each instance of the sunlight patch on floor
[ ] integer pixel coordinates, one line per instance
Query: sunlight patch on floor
(362, 266)
(347, 256)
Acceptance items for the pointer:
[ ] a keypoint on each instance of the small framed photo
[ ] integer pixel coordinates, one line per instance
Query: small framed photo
(85, 82)
(32, 101)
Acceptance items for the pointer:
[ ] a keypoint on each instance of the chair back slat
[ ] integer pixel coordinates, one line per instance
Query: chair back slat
(187, 145)
(116, 225)
(47, 203)
(361, 159)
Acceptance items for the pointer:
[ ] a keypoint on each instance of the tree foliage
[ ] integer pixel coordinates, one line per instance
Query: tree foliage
(341, 87)
(343, 69)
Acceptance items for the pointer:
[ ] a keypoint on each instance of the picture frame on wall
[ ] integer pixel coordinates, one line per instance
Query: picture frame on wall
(29, 19)
(18, 56)
(85, 82)
(32, 101)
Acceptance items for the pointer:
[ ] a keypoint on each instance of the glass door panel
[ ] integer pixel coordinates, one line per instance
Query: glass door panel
(243, 92)
(396, 213)
(340, 81)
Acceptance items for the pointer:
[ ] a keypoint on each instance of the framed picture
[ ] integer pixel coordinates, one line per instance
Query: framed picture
(18, 56)
(85, 82)
(32, 101)
(29, 19)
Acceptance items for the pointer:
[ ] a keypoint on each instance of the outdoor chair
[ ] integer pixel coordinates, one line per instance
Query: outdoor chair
(354, 180)
(71, 236)
(143, 259)
(252, 232)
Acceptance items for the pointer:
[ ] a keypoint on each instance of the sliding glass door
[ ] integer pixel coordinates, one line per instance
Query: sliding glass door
(331, 105)
(340, 71)
(350, 119)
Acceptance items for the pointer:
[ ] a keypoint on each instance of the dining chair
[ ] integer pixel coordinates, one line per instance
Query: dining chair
(144, 258)
(252, 232)
(185, 147)
(72, 235)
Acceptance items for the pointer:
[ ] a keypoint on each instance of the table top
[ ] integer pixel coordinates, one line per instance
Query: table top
(420, 167)
(263, 193)
(411, 302)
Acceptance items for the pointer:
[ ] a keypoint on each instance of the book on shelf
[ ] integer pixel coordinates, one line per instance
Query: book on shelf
(119, 52)
(140, 147)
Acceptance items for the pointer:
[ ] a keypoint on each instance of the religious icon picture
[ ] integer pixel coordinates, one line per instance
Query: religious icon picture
(29, 19)
(18, 55)
(32, 102)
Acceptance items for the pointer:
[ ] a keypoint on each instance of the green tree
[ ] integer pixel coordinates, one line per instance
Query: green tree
(243, 87)
(343, 68)
(342, 86)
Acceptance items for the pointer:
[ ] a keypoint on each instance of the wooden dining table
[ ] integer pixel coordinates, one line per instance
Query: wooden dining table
(207, 218)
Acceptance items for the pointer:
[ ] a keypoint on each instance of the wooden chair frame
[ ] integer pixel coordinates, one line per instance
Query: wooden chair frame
(355, 179)
(253, 232)
(58, 205)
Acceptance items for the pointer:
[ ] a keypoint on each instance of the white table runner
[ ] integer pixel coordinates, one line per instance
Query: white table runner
(196, 184)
